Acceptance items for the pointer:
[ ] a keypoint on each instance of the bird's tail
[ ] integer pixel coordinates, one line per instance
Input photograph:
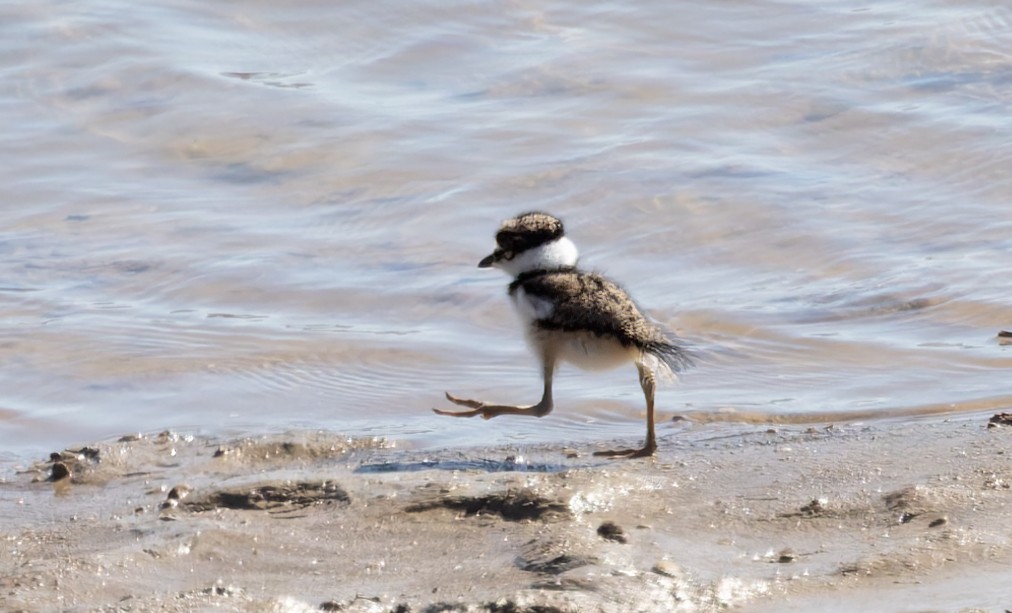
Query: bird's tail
(672, 357)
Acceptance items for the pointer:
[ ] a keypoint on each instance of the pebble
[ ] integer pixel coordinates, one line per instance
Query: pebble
(59, 471)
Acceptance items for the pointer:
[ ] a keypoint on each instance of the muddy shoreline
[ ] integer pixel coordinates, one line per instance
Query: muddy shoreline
(885, 516)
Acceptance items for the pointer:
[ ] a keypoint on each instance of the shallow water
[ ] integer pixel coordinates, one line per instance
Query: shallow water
(243, 217)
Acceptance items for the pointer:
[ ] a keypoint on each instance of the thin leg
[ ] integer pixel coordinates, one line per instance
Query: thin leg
(488, 411)
(649, 385)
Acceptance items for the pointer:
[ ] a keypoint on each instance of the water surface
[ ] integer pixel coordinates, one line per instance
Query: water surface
(246, 217)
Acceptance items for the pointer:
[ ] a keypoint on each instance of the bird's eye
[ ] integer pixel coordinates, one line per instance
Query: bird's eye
(506, 240)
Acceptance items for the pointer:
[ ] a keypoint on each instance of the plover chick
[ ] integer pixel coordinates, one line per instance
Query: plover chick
(573, 316)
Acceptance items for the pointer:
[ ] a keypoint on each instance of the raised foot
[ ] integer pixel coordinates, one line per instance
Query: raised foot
(477, 406)
(488, 411)
(466, 402)
(645, 452)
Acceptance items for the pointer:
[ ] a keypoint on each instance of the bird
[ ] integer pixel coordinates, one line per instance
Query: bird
(573, 316)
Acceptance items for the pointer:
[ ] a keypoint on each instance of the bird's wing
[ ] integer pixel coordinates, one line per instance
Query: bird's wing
(590, 302)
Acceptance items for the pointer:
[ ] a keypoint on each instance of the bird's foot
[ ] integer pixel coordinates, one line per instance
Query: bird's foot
(477, 407)
(488, 411)
(645, 452)
(466, 402)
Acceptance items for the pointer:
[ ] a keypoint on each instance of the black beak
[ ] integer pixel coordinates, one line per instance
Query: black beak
(486, 262)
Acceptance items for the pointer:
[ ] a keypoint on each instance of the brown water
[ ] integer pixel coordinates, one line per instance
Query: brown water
(243, 217)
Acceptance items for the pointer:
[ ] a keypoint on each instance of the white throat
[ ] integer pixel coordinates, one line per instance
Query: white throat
(560, 253)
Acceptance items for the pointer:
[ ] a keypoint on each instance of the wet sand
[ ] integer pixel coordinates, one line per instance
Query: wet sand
(885, 516)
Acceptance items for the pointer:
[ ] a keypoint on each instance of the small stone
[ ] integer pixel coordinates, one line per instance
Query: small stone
(815, 507)
(59, 471)
(786, 556)
(941, 521)
(179, 492)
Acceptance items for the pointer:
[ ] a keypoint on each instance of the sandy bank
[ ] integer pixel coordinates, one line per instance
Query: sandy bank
(908, 516)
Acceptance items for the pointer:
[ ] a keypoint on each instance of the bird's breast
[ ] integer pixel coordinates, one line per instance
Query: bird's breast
(531, 308)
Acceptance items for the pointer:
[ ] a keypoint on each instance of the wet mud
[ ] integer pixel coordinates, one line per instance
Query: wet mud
(1000, 419)
(510, 505)
(726, 518)
(270, 497)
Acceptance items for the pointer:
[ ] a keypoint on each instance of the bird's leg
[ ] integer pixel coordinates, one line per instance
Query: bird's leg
(488, 411)
(649, 384)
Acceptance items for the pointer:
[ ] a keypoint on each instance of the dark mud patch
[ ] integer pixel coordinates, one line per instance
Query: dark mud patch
(554, 566)
(556, 555)
(821, 509)
(511, 505)
(271, 497)
(502, 606)
(610, 531)
(508, 606)
(1000, 419)
(817, 507)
